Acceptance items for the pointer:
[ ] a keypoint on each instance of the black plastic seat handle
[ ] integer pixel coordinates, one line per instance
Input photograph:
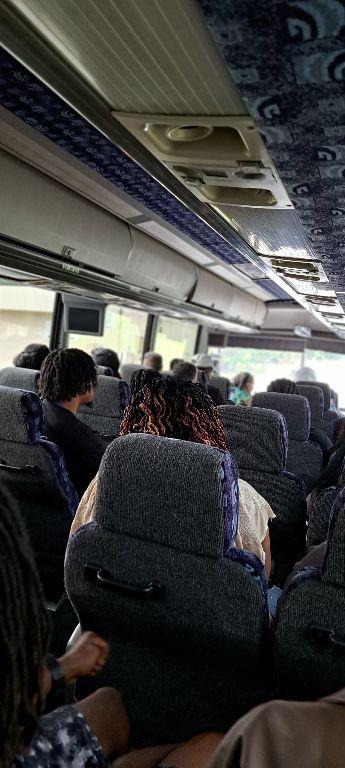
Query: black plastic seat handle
(151, 591)
(27, 469)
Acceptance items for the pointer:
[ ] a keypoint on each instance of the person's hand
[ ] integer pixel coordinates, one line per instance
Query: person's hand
(87, 657)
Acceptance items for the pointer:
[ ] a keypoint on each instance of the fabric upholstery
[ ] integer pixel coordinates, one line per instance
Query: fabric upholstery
(223, 384)
(35, 470)
(321, 512)
(257, 437)
(105, 413)
(325, 389)
(308, 663)
(304, 459)
(19, 378)
(127, 370)
(315, 399)
(159, 518)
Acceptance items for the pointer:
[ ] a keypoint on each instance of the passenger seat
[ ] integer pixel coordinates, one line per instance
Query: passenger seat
(223, 384)
(187, 627)
(127, 370)
(102, 370)
(33, 470)
(19, 378)
(310, 634)
(315, 396)
(304, 459)
(105, 413)
(257, 437)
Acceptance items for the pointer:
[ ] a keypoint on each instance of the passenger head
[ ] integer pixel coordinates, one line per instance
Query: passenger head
(244, 381)
(284, 386)
(108, 358)
(173, 407)
(31, 357)
(66, 375)
(23, 634)
(174, 362)
(204, 363)
(186, 371)
(305, 374)
(143, 377)
(153, 361)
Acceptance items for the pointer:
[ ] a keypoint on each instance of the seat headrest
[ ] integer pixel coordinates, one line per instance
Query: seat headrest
(179, 494)
(325, 389)
(257, 437)
(19, 378)
(294, 408)
(102, 370)
(20, 416)
(127, 370)
(314, 396)
(223, 384)
(110, 398)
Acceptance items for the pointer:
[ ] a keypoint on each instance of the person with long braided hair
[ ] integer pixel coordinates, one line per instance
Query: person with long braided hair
(180, 408)
(67, 380)
(92, 730)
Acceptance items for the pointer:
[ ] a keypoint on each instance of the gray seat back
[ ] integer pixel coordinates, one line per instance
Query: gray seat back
(127, 370)
(19, 378)
(304, 459)
(329, 413)
(310, 633)
(315, 399)
(223, 384)
(258, 439)
(321, 512)
(186, 626)
(105, 413)
(34, 471)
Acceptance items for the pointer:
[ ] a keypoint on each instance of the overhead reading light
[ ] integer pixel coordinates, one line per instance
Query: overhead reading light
(302, 331)
(187, 132)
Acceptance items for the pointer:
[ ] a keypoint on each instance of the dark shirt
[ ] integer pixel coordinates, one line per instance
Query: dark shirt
(319, 436)
(330, 475)
(216, 395)
(82, 447)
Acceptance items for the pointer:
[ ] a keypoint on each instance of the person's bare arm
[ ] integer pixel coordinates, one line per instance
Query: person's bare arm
(87, 657)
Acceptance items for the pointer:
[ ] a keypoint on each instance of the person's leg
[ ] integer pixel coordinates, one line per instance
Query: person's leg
(195, 753)
(107, 718)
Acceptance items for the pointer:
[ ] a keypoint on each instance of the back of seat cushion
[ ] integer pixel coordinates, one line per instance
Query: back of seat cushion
(310, 633)
(315, 399)
(105, 413)
(223, 384)
(19, 378)
(257, 437)
(33, 469)
(102, 370)
(304, 459)
(186, 626)
(127, 370)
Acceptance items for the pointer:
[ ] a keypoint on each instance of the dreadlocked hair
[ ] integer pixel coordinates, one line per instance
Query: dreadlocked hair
(23, 634)
(147, 407)
(67, 373)
(198, 417)
(172, 407)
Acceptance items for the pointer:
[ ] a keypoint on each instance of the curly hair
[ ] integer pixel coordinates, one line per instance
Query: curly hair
(108, 358)
(24, 630)
(172, 407)
(32, 357)
(66, 373)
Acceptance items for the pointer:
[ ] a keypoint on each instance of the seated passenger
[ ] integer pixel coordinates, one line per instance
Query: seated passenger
(241, 392)
(204, 363)
(305, 374)
(286, 734)
(318, 436)
(108, 358)
(186, 371)
(174, 362)
(153, 362)
(67, 380)
(31, 357)
(85, 734)
(177, 408)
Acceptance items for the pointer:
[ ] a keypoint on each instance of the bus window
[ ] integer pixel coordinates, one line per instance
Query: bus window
(25, 318)
(265, 365)
(328, 367)
(175, 338)
(124, 331)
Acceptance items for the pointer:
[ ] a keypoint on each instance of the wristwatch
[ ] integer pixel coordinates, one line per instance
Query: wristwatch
(58, 683)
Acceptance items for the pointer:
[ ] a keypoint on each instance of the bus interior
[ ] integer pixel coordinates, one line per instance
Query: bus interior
(172, 180)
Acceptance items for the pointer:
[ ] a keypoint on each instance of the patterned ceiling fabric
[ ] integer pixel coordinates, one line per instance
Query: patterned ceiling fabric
(288, 60)
(29, 99)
